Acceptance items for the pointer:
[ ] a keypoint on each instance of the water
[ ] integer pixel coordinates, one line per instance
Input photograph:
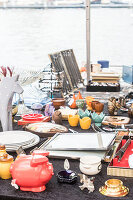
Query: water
(27, 36)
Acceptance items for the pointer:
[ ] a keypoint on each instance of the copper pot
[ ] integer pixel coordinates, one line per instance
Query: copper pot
(99, 107)
(93, 104)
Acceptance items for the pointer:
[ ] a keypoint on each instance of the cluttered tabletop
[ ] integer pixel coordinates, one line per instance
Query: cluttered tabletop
(80, 151)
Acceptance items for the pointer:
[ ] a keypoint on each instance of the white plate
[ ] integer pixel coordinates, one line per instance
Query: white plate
(16, 137)
(36, 141)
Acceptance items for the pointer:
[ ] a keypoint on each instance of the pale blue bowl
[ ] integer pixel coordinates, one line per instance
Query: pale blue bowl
(97, 118)
(82, 114)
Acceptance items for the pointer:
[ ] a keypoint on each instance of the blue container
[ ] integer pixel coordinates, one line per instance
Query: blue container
(127, 74)
(104, 63)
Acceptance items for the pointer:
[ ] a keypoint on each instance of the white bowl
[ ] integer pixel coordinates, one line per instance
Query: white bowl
(90, 165)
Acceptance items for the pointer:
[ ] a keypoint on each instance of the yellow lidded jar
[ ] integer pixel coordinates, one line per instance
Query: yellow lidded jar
(2, 150)
(5, 162)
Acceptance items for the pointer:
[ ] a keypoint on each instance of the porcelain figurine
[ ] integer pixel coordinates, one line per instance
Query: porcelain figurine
(97, 118)
(130, 111)
(73, 120)
(85, 123)
(5, 162)
(49, 109)
(8, 86)
(31, 172)
(113, 106)
(57, 117)
(87, 183)
(82, 114)
(122, 101)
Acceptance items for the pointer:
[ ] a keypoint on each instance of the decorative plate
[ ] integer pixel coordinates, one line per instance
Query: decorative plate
(46, 129)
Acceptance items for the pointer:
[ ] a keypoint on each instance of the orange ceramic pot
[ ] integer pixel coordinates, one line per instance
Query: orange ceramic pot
(79, 96)
(99, 107)
(73, 120)
(73, 105)
(85, 123)
(89, 99)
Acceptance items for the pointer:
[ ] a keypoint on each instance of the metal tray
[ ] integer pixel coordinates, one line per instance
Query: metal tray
(80, 141)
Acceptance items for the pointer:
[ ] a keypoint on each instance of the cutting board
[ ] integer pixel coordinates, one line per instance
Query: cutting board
(115, 120)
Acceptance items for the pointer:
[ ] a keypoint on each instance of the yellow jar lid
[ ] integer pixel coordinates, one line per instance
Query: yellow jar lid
(6, 158)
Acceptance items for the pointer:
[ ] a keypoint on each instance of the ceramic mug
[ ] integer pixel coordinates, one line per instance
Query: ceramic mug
(90, 165)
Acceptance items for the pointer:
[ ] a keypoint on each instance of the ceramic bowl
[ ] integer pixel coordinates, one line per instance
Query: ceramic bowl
(114, 188)
(67, 176)
(85, 123)
(99, 107)
(93, 104)
(80, 103)
(90, 165)
(89, 99)
(97, 118)
(82, 114)
(57, 102)
(73, 120)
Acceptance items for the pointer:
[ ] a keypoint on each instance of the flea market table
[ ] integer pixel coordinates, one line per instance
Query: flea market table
(58, 191)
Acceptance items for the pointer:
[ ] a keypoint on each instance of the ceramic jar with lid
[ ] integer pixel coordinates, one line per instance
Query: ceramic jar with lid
(2, 150)
(90, 165)
(5, 162)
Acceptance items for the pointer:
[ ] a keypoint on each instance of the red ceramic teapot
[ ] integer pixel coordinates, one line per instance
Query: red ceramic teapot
(31, 172)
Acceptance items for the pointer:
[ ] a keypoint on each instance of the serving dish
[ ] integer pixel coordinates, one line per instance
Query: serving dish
(33, 117)
(46, 129)
(115, 120)
(79, 141)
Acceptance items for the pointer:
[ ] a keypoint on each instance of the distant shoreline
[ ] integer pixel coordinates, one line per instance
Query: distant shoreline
(67, 6)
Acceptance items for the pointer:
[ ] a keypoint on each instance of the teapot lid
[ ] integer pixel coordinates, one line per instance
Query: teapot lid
(2, 147)
(6, 158)
(90, 159)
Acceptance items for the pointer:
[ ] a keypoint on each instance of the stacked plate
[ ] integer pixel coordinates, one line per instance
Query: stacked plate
(14, 139)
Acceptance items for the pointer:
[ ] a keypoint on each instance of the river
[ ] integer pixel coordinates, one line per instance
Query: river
(27, 36)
